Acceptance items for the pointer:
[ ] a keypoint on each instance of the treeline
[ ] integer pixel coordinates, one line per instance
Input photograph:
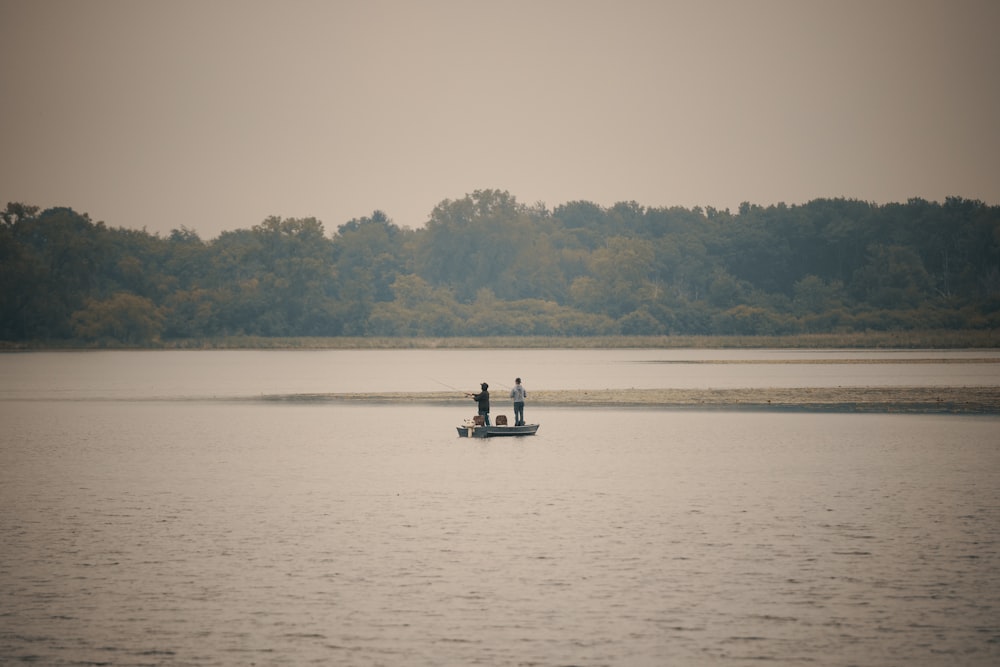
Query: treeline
(488, 265)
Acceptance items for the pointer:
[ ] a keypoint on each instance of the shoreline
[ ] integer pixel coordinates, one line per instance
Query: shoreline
(949, 400)
(911, 339)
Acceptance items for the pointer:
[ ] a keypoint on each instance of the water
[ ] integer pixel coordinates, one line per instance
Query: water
(143, 523)
(213, 374)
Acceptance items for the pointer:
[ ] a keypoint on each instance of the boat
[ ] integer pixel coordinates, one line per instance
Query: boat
(474, 428)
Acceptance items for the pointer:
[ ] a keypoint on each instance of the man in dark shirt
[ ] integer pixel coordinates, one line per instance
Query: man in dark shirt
(483, 399)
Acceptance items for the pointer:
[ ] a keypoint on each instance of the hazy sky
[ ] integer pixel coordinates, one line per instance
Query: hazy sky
(214, 114)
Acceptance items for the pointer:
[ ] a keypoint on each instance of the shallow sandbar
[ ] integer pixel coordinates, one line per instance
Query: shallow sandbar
(967, 400)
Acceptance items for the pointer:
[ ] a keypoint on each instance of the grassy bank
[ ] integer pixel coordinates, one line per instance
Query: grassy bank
(924, 339)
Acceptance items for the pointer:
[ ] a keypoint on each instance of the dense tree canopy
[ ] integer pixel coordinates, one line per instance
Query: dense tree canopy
(487, 264)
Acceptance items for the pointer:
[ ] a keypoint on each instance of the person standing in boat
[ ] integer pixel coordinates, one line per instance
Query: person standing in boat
(483, 399)
(518, 393)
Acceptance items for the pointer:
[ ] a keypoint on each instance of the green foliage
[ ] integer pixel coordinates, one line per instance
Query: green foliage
(640, 323)
(486, 265)
(124, 318)
(53, 263)
(813, 295)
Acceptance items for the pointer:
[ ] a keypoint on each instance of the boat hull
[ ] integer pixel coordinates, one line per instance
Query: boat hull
(471, 431)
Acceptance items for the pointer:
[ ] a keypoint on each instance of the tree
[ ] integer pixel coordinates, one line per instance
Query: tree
(619, 277)
(58, 258)
(277, 280)
(124, 317)
(21, 274)
(473, 242)
(814, 295)
(418, 309)
(640, 323)
(486, 264)
(725, 291)
(894, 277)
(369, 253)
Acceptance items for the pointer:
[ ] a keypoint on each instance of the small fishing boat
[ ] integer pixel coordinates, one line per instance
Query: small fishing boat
(475, 428)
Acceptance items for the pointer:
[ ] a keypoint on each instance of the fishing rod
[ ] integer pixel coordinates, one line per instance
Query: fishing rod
(449, 386)
(505, 386)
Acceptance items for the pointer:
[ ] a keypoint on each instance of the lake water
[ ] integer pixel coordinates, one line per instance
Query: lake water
(146, 518)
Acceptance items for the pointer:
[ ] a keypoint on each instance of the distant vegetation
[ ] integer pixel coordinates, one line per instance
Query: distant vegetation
(489, 266)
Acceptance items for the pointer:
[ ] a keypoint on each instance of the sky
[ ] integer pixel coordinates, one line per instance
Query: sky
(213, 115)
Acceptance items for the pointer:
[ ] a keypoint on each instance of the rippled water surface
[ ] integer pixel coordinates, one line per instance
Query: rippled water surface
(205, 532)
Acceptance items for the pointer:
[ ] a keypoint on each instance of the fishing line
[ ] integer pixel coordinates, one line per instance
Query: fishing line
(447, 385)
